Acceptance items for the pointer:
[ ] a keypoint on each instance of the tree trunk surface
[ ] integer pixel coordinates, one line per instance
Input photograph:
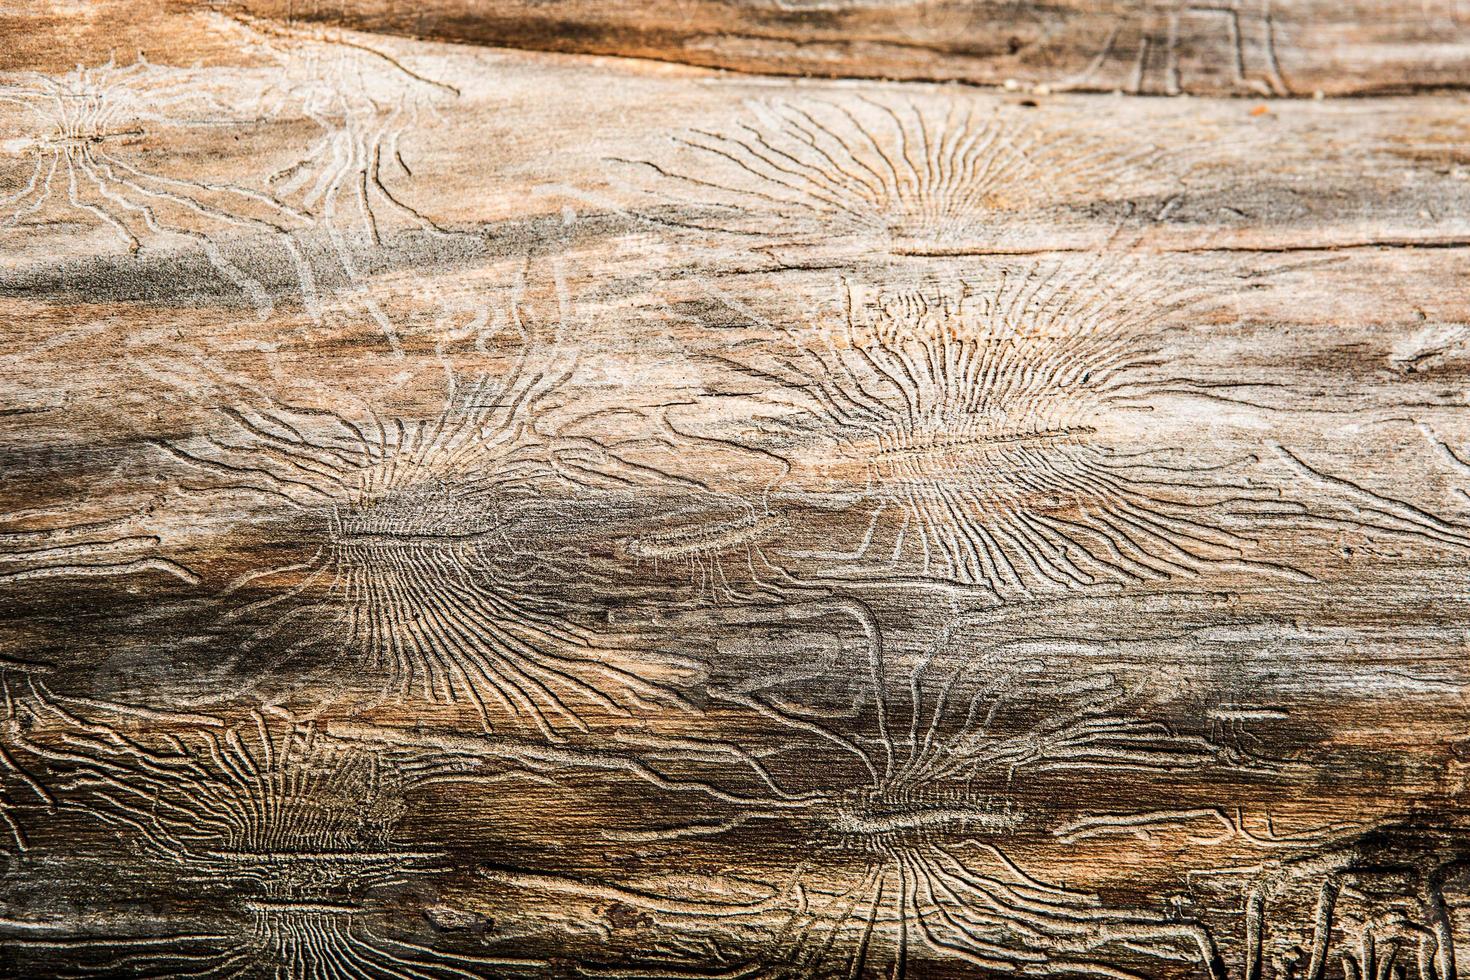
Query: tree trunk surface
(735, 488)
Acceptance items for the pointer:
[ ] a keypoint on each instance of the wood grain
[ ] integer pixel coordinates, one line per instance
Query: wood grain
(1238, 47)
(545, 507)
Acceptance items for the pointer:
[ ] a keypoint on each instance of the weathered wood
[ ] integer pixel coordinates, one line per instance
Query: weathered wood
(484, 512)
(1238, 47)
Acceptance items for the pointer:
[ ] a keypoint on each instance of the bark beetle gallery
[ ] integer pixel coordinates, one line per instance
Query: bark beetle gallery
(735, 490)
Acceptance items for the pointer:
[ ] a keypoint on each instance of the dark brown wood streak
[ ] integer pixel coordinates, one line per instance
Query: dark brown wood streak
(872, 490)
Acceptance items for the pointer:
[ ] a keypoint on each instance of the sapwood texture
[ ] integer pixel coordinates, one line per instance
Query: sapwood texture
(713, 490)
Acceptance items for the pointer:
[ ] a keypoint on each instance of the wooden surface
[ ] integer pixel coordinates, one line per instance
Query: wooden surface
(560, 510)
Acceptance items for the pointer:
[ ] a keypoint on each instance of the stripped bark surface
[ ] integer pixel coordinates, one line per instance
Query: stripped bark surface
(485, 494)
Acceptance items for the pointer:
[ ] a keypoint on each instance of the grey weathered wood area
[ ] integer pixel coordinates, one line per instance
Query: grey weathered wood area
(734, 490)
